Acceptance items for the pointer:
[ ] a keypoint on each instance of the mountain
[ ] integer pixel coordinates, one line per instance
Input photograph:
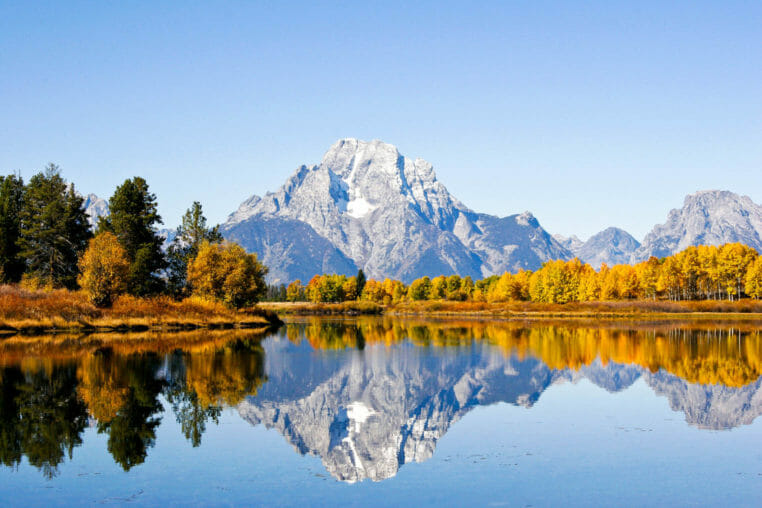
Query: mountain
(367, 206)
(612, 246)
(571, 243)
(95, 208)
(707, 218)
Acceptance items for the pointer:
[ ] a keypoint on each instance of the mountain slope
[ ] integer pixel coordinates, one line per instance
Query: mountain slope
(571, 243)
(611, 246)
(388, 215)
(706, 218)
(95, 208)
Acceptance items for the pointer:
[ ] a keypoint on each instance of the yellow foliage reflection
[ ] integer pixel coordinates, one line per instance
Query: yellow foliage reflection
(708, 355)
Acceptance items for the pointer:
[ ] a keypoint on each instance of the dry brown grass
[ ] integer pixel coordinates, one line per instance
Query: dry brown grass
(580, 309)
(612, 309)
(316, 309)
(29, 311)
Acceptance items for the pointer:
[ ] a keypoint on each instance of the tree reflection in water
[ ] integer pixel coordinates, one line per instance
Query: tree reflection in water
(46, 399)
(40, 416)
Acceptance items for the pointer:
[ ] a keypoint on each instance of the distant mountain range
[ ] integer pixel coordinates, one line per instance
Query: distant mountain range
(367, 206)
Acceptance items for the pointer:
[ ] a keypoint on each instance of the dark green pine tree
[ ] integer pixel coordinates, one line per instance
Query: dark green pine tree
(54, 229)
(360, 282)
(11, 202)
(190, 235)
(133, 218)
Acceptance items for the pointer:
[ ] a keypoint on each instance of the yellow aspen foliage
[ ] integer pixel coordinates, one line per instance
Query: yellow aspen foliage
(438, 288)
(753, 279)
(703, 272)
(734, 260)
(349, 288)
(227, 273)
(398, 292)
(501, 291)
(710, 269)
(104, 268)
(294, 291)
(648, 274)
(373, 291)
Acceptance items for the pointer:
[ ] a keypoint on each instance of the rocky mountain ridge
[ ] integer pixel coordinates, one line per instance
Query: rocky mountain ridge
(384, 213)
(711, 217)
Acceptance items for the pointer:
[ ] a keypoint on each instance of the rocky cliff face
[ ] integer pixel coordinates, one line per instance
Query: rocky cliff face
(706, 218)
(367, 206)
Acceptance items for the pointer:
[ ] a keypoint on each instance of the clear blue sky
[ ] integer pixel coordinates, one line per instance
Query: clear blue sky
(588, 114)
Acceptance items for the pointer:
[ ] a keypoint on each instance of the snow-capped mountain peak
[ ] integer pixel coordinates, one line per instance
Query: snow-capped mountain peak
(385, 213)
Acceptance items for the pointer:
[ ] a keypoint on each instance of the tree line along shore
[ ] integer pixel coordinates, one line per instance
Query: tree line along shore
(57, 273)
(703, 279)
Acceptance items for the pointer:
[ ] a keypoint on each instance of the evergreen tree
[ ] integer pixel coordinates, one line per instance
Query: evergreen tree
(11, 202)
(360, 281)
(190, 235)
(133, 220)
(54, 229)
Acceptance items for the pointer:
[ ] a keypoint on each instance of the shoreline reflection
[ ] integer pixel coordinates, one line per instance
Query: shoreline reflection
(366, 395)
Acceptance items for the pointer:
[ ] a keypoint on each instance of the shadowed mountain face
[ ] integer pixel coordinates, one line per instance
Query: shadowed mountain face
(366, 407)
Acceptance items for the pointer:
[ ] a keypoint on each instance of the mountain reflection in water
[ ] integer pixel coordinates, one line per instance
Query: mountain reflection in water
(365, 395)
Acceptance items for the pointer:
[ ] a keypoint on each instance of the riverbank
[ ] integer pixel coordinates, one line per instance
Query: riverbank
(745, 309)
(61, 311)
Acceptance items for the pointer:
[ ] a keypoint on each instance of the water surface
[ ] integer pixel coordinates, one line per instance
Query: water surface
(380, 411)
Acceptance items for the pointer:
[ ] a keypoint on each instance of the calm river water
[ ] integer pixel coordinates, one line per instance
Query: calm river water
(381, 411)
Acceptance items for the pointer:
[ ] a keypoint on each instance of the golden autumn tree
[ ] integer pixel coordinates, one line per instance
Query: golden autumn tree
(295, 291)
(648, 275)
(350, 289)
(104, 268)
(373, 291)
(753, 279)
(734, 260)
(226, 272)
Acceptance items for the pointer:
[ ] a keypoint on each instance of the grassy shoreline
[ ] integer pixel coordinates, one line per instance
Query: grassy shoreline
(650, 310)
(59, 312)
